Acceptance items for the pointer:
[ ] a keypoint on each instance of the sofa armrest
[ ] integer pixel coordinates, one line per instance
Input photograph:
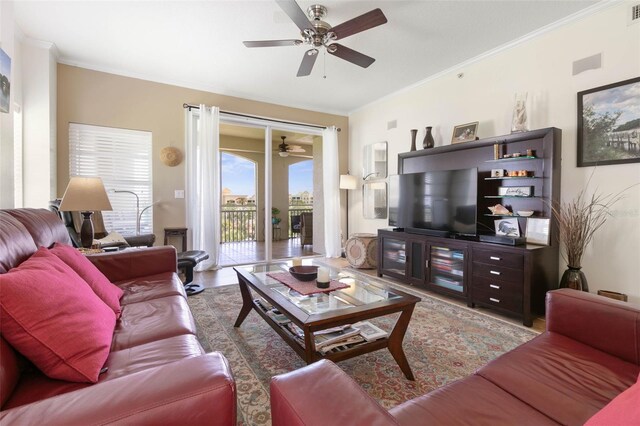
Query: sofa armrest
(322, 394)
(198, 390)
(132, 263)
(602, 323)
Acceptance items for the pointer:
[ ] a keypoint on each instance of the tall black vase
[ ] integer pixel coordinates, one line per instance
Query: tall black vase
(428, 141)
(414, 133)
(574, 278)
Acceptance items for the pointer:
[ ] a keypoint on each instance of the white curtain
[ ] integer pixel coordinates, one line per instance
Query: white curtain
(331, 189)
(202, 141)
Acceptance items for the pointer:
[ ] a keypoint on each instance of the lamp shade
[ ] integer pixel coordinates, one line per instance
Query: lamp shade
(85, 194)
(348, 182)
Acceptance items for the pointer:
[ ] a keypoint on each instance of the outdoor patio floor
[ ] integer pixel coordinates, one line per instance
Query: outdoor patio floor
(247, 252)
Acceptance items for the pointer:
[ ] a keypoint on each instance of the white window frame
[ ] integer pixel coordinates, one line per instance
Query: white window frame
(123, 159)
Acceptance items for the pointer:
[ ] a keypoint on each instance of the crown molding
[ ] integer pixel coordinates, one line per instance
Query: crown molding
(584, 13)
(47, 45)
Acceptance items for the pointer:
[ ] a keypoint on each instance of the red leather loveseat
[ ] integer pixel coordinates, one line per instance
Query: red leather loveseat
(155, 372)
(588, 358)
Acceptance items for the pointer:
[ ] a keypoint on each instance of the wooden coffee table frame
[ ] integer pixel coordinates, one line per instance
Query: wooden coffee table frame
(311, 323)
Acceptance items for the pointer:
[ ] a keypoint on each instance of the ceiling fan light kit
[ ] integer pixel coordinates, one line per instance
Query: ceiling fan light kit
(317, 34)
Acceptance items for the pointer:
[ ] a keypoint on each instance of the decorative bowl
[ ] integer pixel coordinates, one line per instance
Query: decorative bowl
(525, 213)
(304, 272)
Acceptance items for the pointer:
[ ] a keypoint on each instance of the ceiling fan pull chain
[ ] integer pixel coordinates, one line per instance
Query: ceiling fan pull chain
(324, 65)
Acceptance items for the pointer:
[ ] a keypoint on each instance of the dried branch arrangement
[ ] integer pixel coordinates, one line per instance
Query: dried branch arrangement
(579, 219)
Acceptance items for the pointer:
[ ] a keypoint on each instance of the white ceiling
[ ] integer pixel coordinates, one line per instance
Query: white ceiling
(198, 44)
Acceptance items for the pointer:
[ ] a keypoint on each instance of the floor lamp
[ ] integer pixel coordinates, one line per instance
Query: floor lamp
(348, 182)
(86, 195)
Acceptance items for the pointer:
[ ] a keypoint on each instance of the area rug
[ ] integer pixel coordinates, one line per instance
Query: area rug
(444, 342)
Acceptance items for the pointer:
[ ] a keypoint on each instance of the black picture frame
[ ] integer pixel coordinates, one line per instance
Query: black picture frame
(605, 129)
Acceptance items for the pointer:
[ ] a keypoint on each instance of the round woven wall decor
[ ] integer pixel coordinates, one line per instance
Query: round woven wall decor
(170, 156)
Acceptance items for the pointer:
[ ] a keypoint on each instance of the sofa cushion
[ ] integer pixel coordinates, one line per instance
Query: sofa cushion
(51, 316)
(152, 320)
(101, 286)
(565, 379)
(150, 287)
(44, 226)
(16, 244)
(471, 401)
(35, 386)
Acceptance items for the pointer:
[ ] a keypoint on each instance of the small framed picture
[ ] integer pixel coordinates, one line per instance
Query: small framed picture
(465, 132)
(515, 191)
(537, 231)
(508, 227)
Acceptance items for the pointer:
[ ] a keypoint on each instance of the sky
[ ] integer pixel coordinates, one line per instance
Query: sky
(239, 175)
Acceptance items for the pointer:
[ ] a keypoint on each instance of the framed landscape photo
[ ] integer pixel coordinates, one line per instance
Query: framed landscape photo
(609, 124)
(465, 132)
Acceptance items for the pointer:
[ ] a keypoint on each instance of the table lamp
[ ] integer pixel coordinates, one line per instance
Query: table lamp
(86, 195)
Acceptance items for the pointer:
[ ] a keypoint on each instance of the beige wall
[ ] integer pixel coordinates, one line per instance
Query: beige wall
(541, 66)
(91, 97)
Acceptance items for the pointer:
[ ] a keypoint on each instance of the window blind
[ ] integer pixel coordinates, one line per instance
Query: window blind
(122, 158)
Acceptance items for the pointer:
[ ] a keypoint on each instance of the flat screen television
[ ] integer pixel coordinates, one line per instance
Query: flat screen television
(436, 202)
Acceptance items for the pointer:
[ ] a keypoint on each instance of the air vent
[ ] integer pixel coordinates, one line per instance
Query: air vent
(635, 14)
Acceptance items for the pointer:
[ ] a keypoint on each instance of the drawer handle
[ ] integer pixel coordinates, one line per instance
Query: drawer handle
(494, 272)
(494, 258)
(494, 300)
(494, 286)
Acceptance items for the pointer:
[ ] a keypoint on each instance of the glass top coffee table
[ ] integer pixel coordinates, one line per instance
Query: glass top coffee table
(365, 298)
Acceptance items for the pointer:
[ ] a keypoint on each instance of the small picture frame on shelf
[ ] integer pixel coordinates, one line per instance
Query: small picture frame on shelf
(537, 231)
(498, 173)
(465, 132)
(515, 191)
(508, 227)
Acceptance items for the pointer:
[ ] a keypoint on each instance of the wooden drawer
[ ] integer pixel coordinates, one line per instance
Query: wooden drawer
(498, 287)
(499, 258)
(507, 302)
(501, 273)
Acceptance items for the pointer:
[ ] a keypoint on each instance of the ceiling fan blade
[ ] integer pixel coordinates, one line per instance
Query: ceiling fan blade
(308, 60)
(272, 43)
(363, 22)
(296, 14)
(351, 55)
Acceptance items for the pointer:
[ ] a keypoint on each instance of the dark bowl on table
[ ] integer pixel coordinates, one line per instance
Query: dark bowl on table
(304, 272)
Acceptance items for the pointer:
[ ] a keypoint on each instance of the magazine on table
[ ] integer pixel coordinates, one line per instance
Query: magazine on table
(333, 337)
(343, 344)
(369, 331)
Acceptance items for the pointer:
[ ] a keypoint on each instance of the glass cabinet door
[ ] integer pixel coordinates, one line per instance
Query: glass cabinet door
(394, 256)
(447, 268)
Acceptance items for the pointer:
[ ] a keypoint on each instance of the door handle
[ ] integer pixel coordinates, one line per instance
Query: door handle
(494, 300)
(494, 258)
(494, 272)
(494, 286)
(426, 264)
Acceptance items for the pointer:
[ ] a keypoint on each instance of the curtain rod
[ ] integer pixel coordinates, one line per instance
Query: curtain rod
(190, 107)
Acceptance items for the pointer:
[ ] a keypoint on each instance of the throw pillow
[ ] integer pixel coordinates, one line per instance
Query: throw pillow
(101, 286)
(51, 316)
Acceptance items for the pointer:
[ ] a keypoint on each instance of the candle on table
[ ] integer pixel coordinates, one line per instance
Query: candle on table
(323, 275)
(296, 261)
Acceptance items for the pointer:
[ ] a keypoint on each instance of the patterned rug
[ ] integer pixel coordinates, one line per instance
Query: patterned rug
(444, 342)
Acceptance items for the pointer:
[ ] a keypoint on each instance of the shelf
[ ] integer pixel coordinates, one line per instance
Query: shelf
(512, 196)
(513, 177)
(524, 157)
(511, 215)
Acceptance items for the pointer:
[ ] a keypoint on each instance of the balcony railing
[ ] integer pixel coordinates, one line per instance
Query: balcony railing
(240, 223)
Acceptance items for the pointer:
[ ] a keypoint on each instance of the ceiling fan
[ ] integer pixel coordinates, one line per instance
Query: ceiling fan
(317, 33)
(284, 148)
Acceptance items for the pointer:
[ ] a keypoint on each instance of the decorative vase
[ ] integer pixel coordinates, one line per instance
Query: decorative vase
(428, 141)
(574, 278)
(414, 133)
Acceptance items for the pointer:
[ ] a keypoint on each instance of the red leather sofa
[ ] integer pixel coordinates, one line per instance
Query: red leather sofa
(588, 357)
(157, 372)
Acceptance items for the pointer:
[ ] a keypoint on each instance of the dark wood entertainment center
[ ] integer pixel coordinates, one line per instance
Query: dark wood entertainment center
(509, 279)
